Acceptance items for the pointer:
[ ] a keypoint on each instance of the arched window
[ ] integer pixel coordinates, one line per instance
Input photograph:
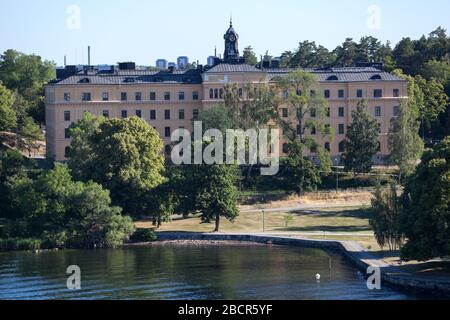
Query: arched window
(375, 77)
(327, 146)
(221, 94)
(211, 94)
(216, 94)
(332, 78)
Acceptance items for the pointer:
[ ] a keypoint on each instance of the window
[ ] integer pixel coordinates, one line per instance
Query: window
(66, 96)
(285, 147)
(105, 96)
(341, 129)
(138, 96)
(67, 133)
(326, 94)
(106, 113)
(241, 93)
(167, 114)
(124, 114)
(211, 94)
(313, 113)
(216, 94)
(341, 112)
(181, 114)
(359, 93)
(167, 132)
(341, 94)
(195, 95)
(195, 114)
(152, 96)
(181, 95)
(86, 96)
(221, 93)
(167, 96)
(378, 112)
(152, 114)
(327, 146)
(123, 96)
(285, 113)
(342, 146)
(285, 94)
(66, 152)
(299, 130)
(328, 112)
(139, 113)
(378, 93)
(66, 115)
(396, 111)
(313, 131)
(396, 93)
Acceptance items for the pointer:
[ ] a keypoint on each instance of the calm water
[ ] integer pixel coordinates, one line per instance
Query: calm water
(230, 272)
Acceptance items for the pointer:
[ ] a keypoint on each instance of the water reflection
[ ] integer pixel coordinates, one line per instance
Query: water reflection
(226, 272)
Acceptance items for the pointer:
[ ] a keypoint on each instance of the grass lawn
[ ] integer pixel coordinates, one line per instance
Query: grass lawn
(345, 220)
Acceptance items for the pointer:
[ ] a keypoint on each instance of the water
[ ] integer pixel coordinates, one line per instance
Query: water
(225, 272)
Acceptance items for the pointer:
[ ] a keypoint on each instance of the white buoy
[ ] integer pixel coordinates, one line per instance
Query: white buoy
(317, 277)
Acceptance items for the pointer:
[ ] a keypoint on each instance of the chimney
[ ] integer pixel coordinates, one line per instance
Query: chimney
(65, 61)
(89, 56)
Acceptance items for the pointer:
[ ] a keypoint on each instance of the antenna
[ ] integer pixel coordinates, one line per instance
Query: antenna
(215, 51)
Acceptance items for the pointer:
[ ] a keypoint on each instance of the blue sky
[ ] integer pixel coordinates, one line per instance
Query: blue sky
(144, 30)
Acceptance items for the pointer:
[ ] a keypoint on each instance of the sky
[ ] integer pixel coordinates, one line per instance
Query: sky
(145, 30)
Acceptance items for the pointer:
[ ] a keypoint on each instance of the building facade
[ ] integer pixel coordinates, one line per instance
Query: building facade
(171, 99)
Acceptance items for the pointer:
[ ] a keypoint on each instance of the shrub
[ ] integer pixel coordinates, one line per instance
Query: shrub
(143, 235)
(14, 244)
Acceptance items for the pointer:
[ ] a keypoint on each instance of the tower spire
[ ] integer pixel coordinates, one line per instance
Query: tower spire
(231, 20)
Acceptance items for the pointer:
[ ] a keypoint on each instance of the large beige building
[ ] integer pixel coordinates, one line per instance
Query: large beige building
(171, 99)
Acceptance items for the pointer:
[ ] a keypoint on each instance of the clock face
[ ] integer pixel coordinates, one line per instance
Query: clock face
(232, 38)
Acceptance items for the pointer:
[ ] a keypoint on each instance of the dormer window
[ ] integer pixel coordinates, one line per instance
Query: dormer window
(85, 80)
(332, 78)
(375, 77)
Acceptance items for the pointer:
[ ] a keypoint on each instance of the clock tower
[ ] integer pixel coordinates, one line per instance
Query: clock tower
(231, 45)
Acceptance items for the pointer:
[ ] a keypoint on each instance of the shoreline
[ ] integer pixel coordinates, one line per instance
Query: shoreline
(353, 251)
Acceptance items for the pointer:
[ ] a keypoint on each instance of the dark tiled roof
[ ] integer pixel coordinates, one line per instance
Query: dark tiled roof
(229, 67)
(350, 74)
(135, 77)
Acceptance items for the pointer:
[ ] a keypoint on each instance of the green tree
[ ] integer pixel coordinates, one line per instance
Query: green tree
(8, 118)
(217, 117)
(27, 74)
(67, 213)
(347, 53)
(426, 199)
(405, 144)
(299, 173)
(250, 56)
(362, 140)
(125, 157)
(387, 210)
(31, 134)
(216, 195)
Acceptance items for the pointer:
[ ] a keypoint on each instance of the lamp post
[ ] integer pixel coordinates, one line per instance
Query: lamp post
(264, 223)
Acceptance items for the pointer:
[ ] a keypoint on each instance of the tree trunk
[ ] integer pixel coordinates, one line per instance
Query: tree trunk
(217, 222)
